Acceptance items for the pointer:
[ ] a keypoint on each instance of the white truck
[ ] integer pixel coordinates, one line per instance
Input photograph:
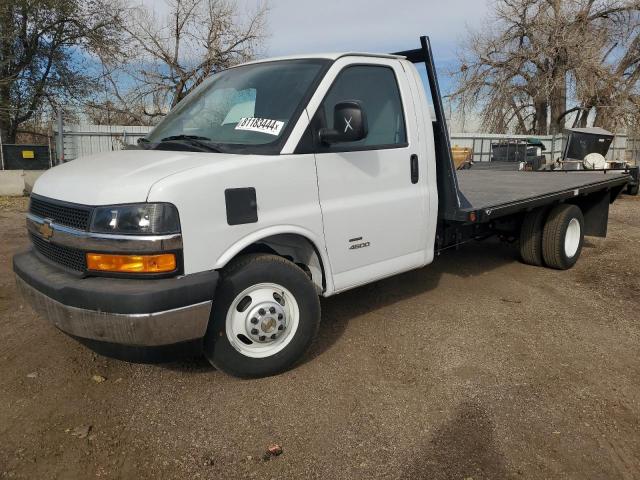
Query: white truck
(273, 183)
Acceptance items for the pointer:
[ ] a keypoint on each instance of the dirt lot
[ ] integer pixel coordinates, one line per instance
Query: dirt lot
(476, 367)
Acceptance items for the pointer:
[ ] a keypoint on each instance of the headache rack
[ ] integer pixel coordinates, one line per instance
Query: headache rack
(451, 201)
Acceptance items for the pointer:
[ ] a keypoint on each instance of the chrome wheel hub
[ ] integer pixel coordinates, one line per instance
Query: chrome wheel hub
(262, 320)
(267, 321)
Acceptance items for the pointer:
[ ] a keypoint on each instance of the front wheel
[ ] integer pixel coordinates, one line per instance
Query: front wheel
(266, 314)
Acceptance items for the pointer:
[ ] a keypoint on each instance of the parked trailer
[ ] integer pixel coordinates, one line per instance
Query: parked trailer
(274, 183)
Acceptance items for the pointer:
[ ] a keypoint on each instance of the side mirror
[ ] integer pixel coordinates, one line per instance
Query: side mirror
(349, 124)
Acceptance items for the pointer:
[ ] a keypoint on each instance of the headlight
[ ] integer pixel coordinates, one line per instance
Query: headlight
(139, 218)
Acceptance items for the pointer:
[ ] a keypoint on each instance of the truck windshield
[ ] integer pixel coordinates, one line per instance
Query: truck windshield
(247, 109)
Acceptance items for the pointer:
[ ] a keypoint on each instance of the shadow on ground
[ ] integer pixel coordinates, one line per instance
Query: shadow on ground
(472, 259)
(464, 447)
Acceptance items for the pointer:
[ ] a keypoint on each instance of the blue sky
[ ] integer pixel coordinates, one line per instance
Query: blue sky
(305, 26)
(372, 25)
(369, 25)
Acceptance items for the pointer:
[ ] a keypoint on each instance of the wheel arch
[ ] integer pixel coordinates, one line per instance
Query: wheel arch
(293, 243)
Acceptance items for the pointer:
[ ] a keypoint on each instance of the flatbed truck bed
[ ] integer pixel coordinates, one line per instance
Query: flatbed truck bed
(494, 193)
(478, 203)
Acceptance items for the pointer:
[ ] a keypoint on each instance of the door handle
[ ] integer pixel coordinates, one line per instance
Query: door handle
(415, 172)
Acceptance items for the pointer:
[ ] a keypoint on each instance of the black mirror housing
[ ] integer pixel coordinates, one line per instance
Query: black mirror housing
(349, 122)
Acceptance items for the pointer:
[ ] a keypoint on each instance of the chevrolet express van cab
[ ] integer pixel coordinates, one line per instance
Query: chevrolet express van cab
(272, 184)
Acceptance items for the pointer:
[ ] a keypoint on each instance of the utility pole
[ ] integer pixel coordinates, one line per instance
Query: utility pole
(49, 135)
(60, 137)
(1, 152)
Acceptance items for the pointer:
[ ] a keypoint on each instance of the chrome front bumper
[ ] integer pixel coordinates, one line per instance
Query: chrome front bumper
(119, 311)
(135, 329)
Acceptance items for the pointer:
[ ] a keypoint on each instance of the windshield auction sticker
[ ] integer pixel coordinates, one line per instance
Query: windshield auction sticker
(262, 125)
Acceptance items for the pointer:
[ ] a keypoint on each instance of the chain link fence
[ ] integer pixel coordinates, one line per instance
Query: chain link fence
(623, 148)
(83, 140)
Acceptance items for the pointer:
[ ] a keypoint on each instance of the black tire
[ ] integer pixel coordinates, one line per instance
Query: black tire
(555, 233)
(531, 237)
(241, 274)
(633, 189)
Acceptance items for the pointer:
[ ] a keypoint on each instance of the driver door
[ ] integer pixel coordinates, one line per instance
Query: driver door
(372, 208)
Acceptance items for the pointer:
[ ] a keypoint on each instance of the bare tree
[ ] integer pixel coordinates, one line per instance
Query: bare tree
(608, 91)
(44, 49)
(539, 55)
(166, 58)
(110, 113)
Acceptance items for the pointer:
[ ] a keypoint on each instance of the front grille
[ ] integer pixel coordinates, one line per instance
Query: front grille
(69, 257)
(74, 216)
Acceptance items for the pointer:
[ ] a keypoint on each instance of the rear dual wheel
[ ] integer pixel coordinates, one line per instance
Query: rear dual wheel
(531, 237)
(563, 237)
(553, 238)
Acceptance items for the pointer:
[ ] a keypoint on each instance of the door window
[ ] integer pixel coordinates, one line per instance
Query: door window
(376, 88)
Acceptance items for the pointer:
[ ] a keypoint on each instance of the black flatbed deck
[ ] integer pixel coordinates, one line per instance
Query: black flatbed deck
(495, 193)
(478, 196)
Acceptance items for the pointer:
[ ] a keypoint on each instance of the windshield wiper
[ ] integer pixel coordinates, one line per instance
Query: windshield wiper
(193, 140)
(184, 137)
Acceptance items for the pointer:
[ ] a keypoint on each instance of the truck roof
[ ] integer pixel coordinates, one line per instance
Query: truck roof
(328, 56)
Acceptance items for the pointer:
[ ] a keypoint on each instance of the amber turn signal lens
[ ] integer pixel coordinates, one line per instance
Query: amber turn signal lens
(103, 262)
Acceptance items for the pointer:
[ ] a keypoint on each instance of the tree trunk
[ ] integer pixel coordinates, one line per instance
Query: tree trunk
(7, 38)
(4, 134)
(7, 132)
(604, 118)
(540, 126)
(559, 100)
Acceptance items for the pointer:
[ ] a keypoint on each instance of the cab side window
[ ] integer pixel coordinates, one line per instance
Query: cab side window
(376, 88)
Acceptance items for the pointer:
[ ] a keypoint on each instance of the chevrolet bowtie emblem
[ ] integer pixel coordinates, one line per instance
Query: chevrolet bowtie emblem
(46, 231)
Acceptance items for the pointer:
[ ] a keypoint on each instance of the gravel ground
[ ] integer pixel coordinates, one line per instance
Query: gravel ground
(475, 367)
